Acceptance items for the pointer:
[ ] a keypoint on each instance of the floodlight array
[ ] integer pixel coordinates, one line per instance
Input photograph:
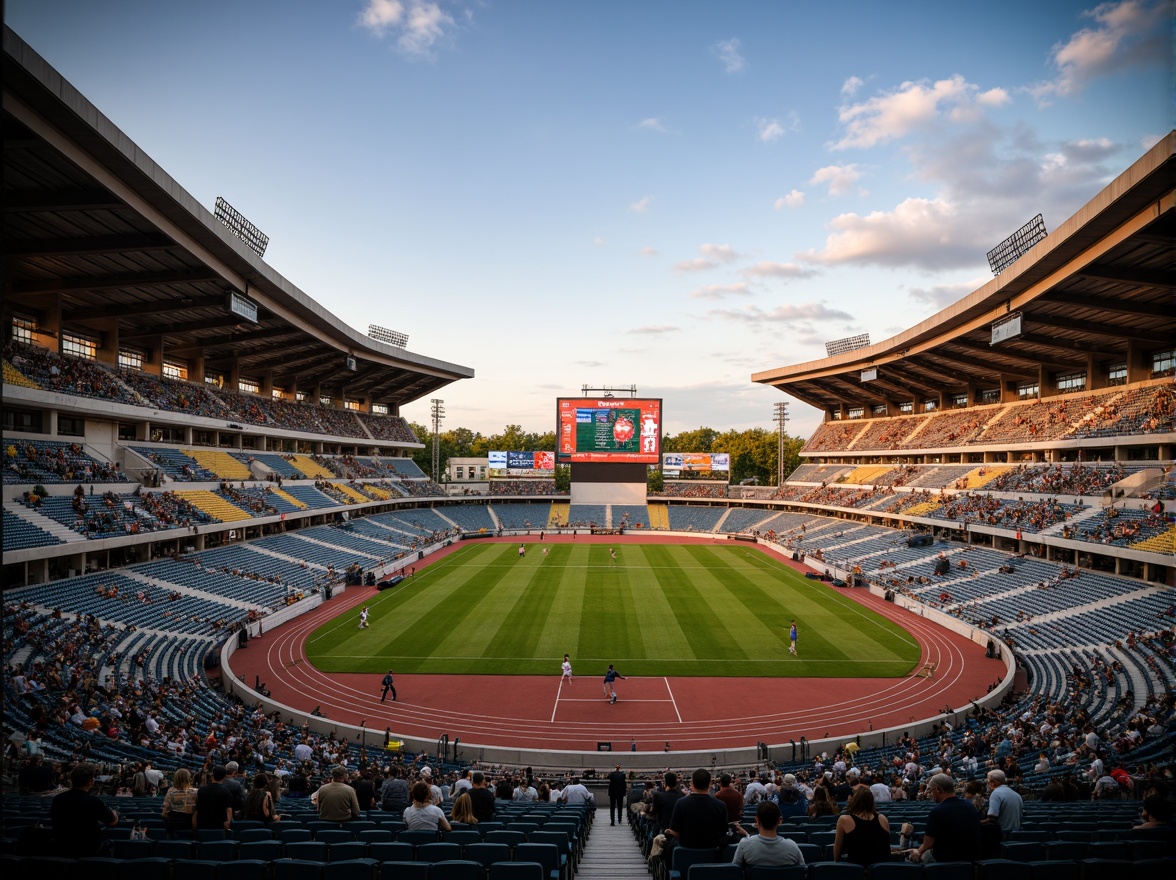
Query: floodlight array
(849, 343)
(256, 240)
(1010, 250)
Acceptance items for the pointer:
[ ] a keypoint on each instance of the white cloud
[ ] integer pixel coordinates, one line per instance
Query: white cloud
(911, 106)
(839, 178)
(793, 200)
(417, 25)
(653, 123)
(810, 311)
(722, 291)
(1126, 34)
(940, 296)
(648, 251)
(655, 329)
(698, 264)
(850, 87)
(927, 231)
(729, 55)
(721, 253)
(641, 205)
(769, 130)
(768, 269)
(598, 241)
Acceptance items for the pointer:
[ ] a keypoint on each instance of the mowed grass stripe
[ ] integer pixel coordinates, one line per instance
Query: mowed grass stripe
(658, 610)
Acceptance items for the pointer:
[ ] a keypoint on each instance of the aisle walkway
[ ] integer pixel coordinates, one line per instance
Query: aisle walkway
(611, 853)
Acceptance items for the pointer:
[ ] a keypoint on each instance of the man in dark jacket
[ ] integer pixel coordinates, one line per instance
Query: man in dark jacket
(618, 787)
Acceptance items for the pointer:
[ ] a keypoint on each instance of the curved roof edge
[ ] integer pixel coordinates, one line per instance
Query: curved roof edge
(1148, 182)
(28, 77)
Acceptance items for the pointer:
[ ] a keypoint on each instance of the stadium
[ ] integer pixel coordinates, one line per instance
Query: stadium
(205, 471)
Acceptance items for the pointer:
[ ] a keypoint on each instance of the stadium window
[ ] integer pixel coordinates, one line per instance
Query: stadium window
(930, 405)
(379, 409)
(250, 386)
(325, 401)
(907, 407)
(856, 412)
(835, 415)
(352, 405)
(278, 393)
(79, 346)
(130, 359)
(1071, 382)
(1117, 374)
(174, 370)
(959, 401)
(878, 409)
(126, 431)
(216, 380)
(1028, 390)
(1163, 363)
(460, 472)
(22, 420)
(300, 396)
(203, 438)
(70, 427)
(988, 395)
(23, 329)
(168, 435)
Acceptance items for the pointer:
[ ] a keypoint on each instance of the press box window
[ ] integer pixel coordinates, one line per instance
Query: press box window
(1117, 374)
(352, 405)
(1071, 382)
(907, 408)
(173, 370)
(379, 409)
(856, 412)
(1163, 363)
(249, 386)
(69, 427)
(23, 329)
(959, 401)
(1028, 390)
(930, 405)
(129, 359)
(79, 346)
(988, 395)
(324, 401)
(878, 409)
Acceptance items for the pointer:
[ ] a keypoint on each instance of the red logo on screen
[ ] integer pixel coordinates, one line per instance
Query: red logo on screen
(623, 430)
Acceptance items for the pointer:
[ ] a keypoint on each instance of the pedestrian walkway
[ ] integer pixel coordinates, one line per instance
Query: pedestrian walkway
(611, 853)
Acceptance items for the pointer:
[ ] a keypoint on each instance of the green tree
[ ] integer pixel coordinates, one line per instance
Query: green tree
(698, 440)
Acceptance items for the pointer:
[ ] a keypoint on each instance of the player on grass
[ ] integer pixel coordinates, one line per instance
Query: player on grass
(792, 639)
(612, 554)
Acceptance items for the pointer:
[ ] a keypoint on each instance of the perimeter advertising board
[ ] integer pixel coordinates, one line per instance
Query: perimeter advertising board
(521, 464)
(608, 429)
(696, 465)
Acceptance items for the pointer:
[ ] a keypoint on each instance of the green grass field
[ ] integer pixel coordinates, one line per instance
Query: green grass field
(660, 609)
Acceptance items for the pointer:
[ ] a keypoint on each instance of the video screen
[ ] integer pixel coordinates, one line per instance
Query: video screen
(608, 429)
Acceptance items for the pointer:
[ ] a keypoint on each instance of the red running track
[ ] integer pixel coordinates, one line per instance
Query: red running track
(689, 713)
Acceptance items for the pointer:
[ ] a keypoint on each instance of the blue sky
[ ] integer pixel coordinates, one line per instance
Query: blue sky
(668, 194)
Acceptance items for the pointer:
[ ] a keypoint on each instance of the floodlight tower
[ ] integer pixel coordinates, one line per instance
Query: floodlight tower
(781, 419)
(437, 410)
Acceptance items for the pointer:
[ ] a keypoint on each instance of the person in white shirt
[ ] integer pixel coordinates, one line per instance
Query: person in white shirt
(754, 791)
(576, 793)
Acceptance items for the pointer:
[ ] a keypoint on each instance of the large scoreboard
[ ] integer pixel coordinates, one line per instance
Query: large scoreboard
(608, 429)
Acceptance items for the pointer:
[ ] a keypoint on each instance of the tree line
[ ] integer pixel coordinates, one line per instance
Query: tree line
(753, 452)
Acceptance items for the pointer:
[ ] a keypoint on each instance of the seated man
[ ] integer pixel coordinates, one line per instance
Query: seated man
(766, 848)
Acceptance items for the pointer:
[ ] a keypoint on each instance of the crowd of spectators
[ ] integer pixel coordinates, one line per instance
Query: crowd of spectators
(698, 489)
(531, 486)
(51, 461)
(1020, 514)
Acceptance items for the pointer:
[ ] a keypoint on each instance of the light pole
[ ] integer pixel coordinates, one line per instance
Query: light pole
(437, 410)
(781, 419)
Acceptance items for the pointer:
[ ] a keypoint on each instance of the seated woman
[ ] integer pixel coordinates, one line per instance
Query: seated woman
(463, 810)
(259, 803)
(179, 804)
(863, 834)
(421, 815)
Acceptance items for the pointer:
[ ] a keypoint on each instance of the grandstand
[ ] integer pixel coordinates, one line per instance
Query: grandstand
(176, 474)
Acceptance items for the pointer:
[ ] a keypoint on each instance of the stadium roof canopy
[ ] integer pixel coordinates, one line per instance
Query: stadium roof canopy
(1096, 290)
(98, 237)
